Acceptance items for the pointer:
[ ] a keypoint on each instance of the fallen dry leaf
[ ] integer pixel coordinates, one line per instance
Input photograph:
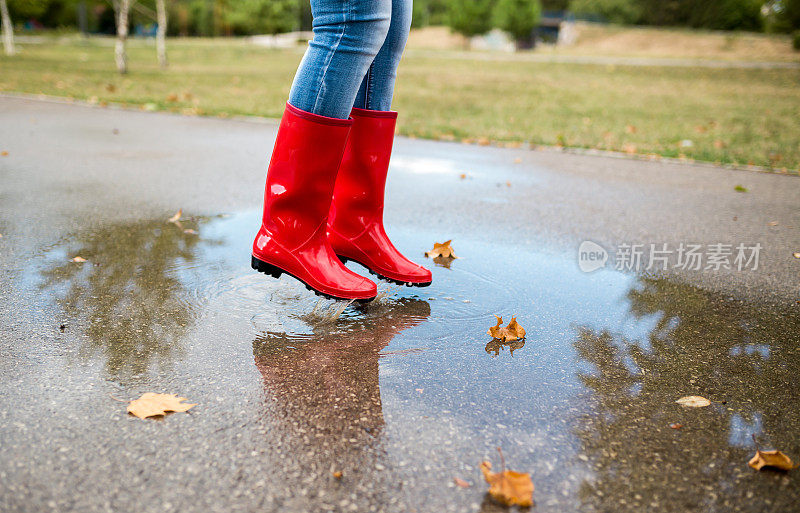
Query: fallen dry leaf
(78, 260)
(176, 217)
(337, 474)
(507, 333)
(4, 153)
(460, 482)
(462, 176)
(796, 254)
(189, 231)
(151, 405)
(508, 487)
(774, 459)
(693, 401)
(676, 425)
(773, 223)
(441, 249)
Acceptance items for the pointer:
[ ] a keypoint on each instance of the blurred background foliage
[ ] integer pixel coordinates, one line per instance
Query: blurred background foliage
(468, 17)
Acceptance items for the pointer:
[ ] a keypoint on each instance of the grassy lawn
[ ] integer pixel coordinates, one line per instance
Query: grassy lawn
(741, 116)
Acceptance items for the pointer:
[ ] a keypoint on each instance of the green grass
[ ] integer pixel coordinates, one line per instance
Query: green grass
(737, 116)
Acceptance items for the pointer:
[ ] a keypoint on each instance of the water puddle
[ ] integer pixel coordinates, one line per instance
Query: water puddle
(408, 392)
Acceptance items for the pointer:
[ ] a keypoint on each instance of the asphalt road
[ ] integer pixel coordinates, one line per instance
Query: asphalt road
(409, 393)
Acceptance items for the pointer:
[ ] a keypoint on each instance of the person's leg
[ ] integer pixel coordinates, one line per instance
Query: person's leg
(347, 36)
(355, 224)
(309, 146)
(377, 88)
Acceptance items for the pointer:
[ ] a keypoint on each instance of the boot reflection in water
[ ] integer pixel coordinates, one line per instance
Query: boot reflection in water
(332, 152)
(324, 390)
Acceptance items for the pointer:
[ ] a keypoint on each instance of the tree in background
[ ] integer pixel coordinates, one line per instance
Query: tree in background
(470, 17)
(429, 12)
(261, 16)
(783, 15)
(8, 29)
(120, 53)
(519, 18)
(615, 11)
(27, 9)
(161, 35)
(712, 14)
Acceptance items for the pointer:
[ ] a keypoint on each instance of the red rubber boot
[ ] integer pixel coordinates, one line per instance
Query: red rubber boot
(297, 199)
(355, 224)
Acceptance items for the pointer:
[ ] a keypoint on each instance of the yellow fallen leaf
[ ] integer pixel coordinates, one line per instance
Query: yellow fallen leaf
(774, 459)
(151, 405)
(4, 153)
(337, 474)
(507, 333)
(508, 487)
(693, 401)
(189, 231)
(441, 249)
(176, 217)
(78, 260)
(460, 482)
(796, 254)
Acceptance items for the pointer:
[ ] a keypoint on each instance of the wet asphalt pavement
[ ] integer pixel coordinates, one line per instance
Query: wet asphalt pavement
(408, 393)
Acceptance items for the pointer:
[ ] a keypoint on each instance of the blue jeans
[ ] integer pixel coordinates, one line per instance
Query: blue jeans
(352, 60)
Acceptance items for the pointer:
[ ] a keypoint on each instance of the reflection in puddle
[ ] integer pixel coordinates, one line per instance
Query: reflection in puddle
(495, 346)
(404, 394)
(127, 297)
(325, 394)
(695, 349)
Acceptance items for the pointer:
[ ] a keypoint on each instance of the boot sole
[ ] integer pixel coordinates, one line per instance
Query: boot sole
(275, 272)
(345, 259)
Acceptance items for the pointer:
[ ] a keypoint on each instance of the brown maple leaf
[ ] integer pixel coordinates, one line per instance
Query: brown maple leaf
(151, 405)
(507, 333)
(508, 487)
(773, 459)
(441, 249)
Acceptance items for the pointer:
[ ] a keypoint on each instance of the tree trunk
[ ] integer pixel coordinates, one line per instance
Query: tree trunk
(122, 35)
(161, 34)
(8, 29)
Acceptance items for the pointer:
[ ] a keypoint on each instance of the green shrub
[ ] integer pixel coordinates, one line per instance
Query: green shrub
(518, 18)
(470, 17)
(796, 40)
